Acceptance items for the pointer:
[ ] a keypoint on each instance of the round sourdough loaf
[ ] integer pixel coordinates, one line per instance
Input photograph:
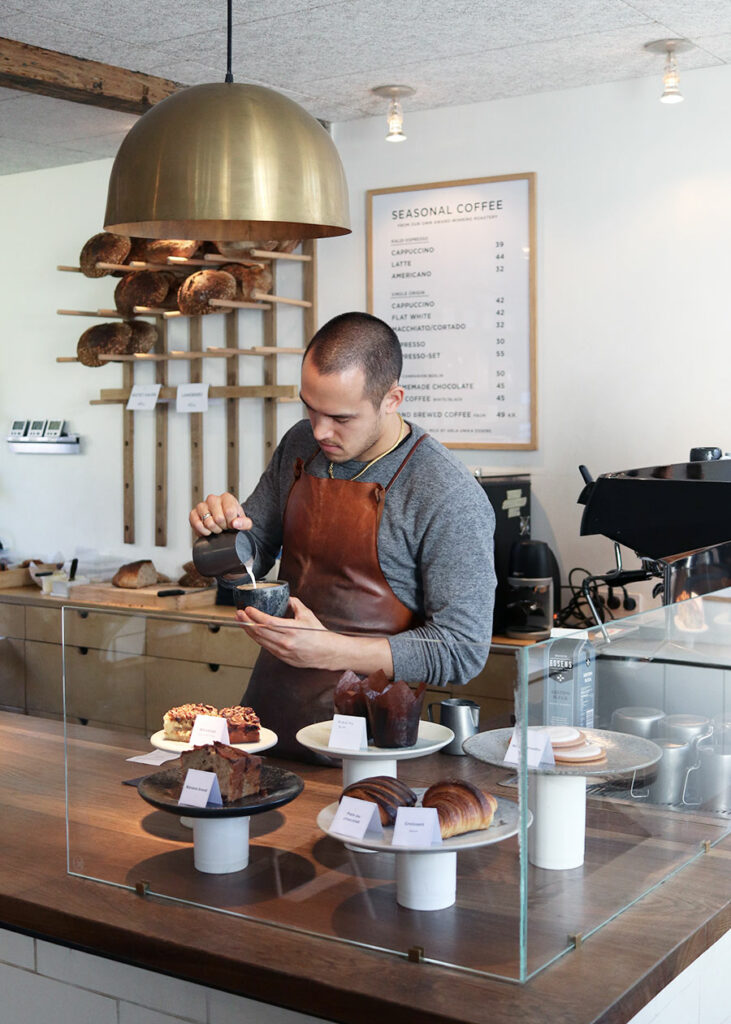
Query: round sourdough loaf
(196, 291)
(103, 339)
(157, 250)
(142, 288)
(143, 336)
(105, 247)
(249, 279)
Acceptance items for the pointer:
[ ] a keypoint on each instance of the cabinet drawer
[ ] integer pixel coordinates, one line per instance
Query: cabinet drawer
(201, 641)
(43, 675)
(12, 673)
(170, 683)
(12, 620)
(105, 687)
(43, 624)
(105, 631)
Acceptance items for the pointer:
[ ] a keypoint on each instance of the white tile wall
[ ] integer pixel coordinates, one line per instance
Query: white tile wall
(42, 983)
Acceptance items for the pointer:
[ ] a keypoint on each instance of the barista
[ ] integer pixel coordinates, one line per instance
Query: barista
(386, 539)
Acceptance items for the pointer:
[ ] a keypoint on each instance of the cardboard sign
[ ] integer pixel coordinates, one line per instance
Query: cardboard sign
(208, 729)
(143, 396)
(191, 398)
(357, 819)
(540, 750)
(200, 789)
(417, 826)
(348, 732)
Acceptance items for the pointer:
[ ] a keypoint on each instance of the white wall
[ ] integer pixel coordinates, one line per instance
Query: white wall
(634, 217)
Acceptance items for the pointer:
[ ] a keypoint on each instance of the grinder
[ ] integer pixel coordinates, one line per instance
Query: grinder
(530, 601)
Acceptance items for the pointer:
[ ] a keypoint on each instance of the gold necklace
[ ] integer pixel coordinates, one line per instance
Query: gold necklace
(378, 457)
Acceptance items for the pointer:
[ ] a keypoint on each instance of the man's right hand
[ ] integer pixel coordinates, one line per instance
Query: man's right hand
(217, 513)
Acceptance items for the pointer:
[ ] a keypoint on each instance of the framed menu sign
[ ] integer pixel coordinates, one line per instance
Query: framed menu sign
(451, 267)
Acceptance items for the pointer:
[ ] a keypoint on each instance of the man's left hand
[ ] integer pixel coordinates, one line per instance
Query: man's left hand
(302, 641)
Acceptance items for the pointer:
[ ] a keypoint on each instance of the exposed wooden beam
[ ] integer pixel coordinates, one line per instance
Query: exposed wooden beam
(33, 69)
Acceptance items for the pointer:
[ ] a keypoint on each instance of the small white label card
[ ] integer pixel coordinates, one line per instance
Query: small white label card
(191, 398)
(200, 789)
(348, 732)
(357, 819)
(417, 826)
(153, 757)
(539, 750)
(143, 396)
(208, 729)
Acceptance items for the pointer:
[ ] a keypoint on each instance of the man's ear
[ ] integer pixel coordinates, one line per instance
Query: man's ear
(393, 399)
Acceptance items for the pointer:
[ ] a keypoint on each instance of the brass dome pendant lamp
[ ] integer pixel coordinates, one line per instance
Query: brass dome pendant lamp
(228, 162)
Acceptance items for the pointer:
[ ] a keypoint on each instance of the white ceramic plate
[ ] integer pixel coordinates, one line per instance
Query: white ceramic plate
(504, 824)
(432, 737)
(267, 739)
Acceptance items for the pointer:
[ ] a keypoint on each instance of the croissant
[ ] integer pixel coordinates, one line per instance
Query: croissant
(461, 806)
(389, 794)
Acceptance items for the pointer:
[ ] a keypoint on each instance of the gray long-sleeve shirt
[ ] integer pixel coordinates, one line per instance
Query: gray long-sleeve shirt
(435, 547)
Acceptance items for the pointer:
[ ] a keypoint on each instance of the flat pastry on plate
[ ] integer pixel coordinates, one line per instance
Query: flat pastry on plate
(178, 722)
(461, 807)
(586, 753)
(243, 724)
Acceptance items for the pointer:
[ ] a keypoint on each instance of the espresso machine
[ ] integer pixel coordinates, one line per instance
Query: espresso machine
(676, 518)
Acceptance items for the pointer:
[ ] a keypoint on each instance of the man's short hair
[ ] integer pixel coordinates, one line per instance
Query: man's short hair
(359, 340)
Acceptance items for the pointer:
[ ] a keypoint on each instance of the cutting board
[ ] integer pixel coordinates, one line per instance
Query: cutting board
(142, 597)
(14, 578)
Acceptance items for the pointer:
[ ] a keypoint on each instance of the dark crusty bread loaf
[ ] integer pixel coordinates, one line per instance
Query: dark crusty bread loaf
(196, 291)
(389, 794)
(105, 247)
(157, 250)
(242, 250)
(136, 574)
(249, 279)
(192, 578)
(461, 806)
(142, 288)
(144, 336)
(103, 339)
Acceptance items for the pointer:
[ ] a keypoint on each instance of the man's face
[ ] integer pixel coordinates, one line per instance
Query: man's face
(345, 423)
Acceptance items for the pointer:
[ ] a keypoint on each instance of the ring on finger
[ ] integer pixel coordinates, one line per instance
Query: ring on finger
(206, 516)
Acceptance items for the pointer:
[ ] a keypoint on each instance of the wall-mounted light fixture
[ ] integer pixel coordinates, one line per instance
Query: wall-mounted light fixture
(671, 78)
(395, 116)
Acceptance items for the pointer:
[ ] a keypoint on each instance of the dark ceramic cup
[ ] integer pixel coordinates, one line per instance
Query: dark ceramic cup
(272, 598)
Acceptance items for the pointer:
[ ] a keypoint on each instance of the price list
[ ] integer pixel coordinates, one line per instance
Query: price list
(451, 269)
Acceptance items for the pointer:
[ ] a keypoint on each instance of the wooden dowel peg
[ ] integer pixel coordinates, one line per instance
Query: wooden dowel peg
(257, 350)
(184, 261)
(67, 359)
(294, 256)
(214, 257)
(280, 298)
(228, 304)
(151, 311)
(131, 267)
(69, 270)
(88, 312)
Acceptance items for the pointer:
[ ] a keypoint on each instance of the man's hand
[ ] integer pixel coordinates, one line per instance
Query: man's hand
(217, 513)
(305, 643)
(302, 641)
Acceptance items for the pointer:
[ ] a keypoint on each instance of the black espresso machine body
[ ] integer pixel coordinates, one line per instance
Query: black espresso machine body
(677, 518)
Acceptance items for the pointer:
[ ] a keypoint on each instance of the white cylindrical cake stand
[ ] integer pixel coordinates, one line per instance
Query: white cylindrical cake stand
(557, 793)
(426, 878)
(426, 881)
(558, 803)
(364, 764)
(220, 845)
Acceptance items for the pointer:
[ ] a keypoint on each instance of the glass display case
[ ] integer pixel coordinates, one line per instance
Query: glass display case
(618, 776)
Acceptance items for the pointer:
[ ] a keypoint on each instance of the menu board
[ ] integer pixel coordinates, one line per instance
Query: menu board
(451, 269)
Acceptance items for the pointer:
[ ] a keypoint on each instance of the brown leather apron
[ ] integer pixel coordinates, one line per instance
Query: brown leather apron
(330, 560)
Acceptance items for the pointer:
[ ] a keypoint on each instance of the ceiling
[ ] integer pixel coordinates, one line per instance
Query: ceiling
(328, 54)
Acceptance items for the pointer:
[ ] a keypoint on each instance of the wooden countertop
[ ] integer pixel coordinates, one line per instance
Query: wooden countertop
(606, 979)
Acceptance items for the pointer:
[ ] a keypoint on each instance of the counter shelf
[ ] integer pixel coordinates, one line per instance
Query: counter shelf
(123, 668)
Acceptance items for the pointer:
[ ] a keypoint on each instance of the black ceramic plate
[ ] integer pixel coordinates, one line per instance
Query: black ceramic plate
(162, 790)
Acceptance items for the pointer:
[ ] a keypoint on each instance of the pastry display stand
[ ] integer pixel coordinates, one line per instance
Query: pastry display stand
(364, 764)
(426, 877)
(557, 793)
(221, 834)
(267, 739)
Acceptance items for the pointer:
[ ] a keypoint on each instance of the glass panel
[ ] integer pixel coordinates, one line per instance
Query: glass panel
(569, 847)
(124, 670)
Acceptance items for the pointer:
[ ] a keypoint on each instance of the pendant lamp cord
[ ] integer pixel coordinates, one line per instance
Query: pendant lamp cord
(229, 74)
